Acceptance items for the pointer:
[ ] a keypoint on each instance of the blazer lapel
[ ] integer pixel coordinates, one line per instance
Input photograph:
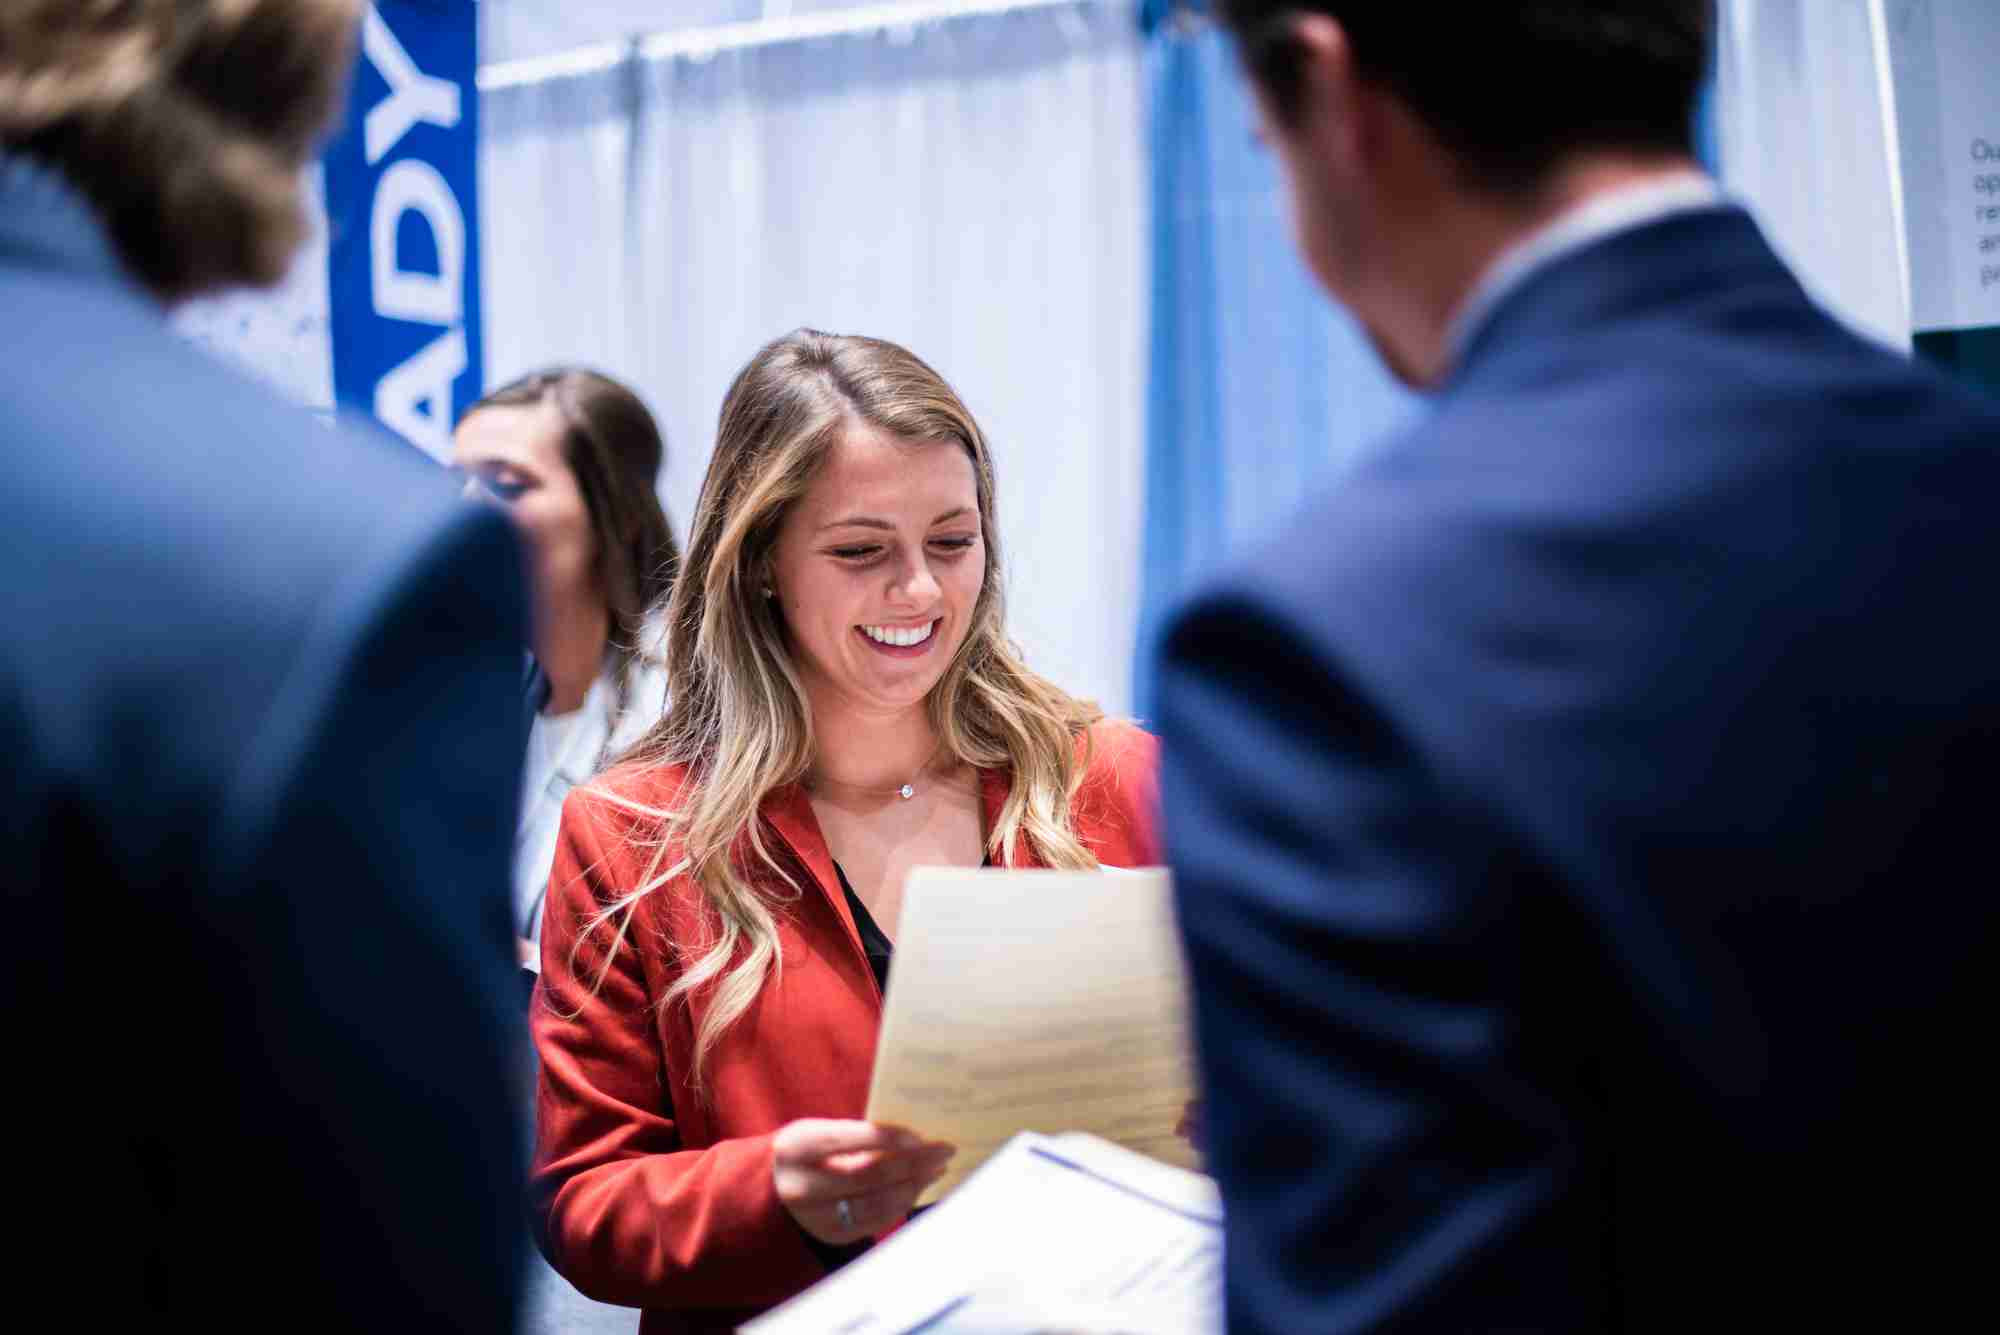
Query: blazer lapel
(788, 811)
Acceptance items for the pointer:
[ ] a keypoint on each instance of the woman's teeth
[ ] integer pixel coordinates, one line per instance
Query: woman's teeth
(902, 637)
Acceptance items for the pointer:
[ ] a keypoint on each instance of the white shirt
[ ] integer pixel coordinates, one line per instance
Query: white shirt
(1595, 219)
(565, 750)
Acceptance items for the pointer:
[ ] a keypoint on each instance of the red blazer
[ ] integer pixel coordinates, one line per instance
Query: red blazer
(643, 1194)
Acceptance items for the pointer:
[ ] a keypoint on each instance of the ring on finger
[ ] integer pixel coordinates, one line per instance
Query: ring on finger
(844, 1211)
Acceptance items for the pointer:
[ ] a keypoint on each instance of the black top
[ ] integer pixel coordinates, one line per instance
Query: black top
(874, 941)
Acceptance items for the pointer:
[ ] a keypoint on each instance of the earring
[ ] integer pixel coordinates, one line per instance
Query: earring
(769, 592)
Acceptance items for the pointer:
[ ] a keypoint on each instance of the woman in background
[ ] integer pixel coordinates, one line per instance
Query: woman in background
(575, 458)
(725, 902)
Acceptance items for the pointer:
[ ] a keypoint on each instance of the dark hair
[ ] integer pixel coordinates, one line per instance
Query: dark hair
(1511, 89)
(186, 123)
(615, 451)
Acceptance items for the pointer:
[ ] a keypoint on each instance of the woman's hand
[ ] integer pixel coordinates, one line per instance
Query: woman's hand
(1189, 1127)
(877, 1171)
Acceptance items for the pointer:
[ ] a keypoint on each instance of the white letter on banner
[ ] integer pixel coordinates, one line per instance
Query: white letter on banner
(413, 95)
(413, 184)
(425, 379)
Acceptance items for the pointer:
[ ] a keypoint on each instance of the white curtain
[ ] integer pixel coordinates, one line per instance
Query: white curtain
(530, 29)
(973, 189)
(1802, 118)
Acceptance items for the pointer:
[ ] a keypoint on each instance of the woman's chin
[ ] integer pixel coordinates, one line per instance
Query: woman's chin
(894, 686)
(905, 694)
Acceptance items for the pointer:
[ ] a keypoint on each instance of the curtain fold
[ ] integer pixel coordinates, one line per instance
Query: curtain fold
(1801, 122)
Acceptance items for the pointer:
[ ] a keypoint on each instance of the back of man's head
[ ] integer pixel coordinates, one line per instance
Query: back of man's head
(1510, 89)
(186, 123)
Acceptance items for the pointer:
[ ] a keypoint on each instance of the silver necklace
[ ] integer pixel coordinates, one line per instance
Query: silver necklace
(904, 791)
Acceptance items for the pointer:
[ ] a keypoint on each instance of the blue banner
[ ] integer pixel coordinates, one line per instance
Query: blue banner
(402, 211)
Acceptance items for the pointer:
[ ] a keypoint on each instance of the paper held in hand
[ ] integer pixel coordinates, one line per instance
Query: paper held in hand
(1054, 1233)
(1040, 1001)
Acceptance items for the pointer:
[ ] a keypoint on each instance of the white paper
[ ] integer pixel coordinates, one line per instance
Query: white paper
(1036, 1001)
(1069, 1234)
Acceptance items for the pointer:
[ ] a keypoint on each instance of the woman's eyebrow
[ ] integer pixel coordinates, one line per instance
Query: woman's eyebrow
(869, 521)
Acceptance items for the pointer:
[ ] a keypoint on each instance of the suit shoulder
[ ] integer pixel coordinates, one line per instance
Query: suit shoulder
(200, 558)
(1348, 549)
(202, 477)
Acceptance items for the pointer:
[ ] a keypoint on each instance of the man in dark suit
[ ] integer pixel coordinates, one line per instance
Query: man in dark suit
(1580, 815)
(260, 710)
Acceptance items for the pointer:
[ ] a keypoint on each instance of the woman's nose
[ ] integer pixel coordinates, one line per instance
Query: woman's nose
(919, 585)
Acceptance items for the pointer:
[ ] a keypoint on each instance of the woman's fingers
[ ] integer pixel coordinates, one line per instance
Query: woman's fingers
(849, 1218)
(878, 1171)
(883, 1171)
(811, 1139)
(878, 1210)
(1189, 1127)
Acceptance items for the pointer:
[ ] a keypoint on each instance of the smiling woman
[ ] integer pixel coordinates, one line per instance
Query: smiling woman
(846, 706)
(878, 568)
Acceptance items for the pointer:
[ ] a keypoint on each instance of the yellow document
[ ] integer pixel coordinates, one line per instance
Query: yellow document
(1042, 1001)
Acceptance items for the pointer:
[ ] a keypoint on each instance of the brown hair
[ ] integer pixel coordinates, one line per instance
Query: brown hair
(186, 123)
(1511, 89)
(614, 448)
(740, 721)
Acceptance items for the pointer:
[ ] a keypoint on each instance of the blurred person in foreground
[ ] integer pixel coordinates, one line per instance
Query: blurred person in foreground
(574, 458)
(724, 906)
(259, 698)
(1572, 811)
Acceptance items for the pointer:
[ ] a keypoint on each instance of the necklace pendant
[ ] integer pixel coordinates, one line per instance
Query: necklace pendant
(906, 792)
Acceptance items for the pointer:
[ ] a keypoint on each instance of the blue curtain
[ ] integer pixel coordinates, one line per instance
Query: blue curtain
(1259, 389)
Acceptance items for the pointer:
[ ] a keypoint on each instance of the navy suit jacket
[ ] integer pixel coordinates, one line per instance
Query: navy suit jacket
(1582, 820)
(260, 703)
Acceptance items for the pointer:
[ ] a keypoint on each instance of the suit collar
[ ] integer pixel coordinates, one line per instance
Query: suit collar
(1596, 219)
(45, 222)
(1659, 266)
(788, 812)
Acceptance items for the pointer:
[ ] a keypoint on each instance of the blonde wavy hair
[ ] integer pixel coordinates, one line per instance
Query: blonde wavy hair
(187, 124)
(740, 721)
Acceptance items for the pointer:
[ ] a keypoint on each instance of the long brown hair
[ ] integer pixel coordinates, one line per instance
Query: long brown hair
(615, 451)
(186, 123)
(740, 722)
